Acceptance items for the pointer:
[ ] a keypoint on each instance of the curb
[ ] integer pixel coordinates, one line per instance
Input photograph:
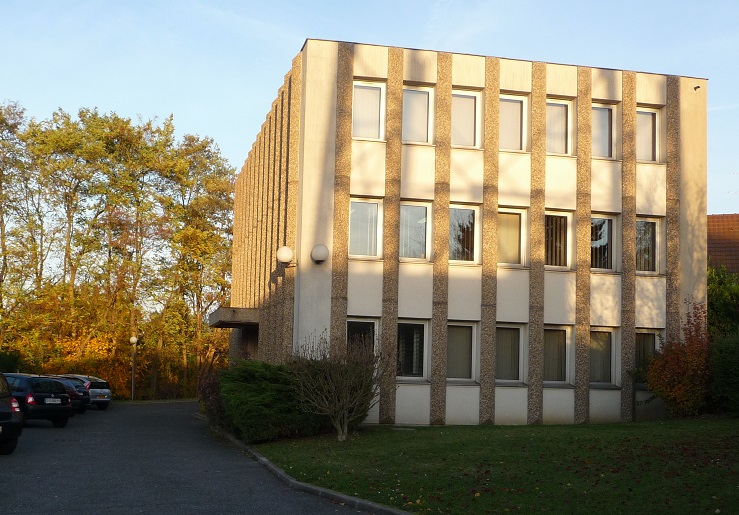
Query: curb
(347, 500)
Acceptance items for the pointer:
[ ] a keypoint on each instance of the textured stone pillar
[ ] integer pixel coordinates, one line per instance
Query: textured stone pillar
(674, 300)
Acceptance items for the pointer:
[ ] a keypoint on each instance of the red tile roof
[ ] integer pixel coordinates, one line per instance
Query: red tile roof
(723, 241)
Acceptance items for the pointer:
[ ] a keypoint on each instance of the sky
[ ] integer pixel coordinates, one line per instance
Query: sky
(216, 65)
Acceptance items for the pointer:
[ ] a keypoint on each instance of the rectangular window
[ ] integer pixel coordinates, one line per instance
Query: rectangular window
(508, 354)
(646, 135)
(601, 243)
(460, 352)
(555, 233)
(417, 119)
(364, 227)
(646, 346)
(600, 357)
(512, 123)
(414, 231)
(509, 237)
(360, 335)
(465, 119)
(558, 126)
(555, 355)
(602, 131)
(646, 246)
(368, 108)
(462, 234)
(411, 349)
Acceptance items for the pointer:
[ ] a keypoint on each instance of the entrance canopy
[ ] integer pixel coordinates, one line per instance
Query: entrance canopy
(233, 317)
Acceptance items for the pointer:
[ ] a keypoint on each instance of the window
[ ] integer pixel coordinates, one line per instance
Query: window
(555, 355)
(646, 245)
(368, 109)
(602, 131)
(510, 243)
(462, 234)
(646, 346)
(512, 122)
(508, 354)
(646, 135)
(364, 227)
(360, 335)
(414, 226)
(559, 124)
(466, 118)
(601, 356)
(555, 234)
(601, 243)
(460, 352)
(417, 119)
(411, 349)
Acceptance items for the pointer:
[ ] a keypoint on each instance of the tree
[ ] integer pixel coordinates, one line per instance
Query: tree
(723, 302)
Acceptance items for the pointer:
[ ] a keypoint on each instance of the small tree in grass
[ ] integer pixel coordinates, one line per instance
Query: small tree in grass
(341, 383)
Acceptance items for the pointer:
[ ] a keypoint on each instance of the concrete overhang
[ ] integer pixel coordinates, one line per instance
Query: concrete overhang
(233, 317)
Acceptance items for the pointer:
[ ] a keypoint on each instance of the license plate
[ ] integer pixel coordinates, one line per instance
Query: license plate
(53, 400)
(100, 397)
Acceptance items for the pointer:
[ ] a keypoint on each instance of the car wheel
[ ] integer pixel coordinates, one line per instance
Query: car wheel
(103, 406)
(60, 422)
(8, 446)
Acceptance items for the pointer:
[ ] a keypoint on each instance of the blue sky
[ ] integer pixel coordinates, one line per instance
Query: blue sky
(216, 65)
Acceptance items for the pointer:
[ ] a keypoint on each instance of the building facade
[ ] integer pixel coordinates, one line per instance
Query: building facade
(516, 235)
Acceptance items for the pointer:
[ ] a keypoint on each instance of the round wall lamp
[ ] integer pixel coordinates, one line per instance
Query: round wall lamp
(285, 255)
(319, 254)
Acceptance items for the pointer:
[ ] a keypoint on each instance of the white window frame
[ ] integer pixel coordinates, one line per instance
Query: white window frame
(525, 115)
(430, 114)
(570, 239)
(614, 147)
(659, 260)
(523, 354)
(615, 244)
(658, 133)
(374, 321)
(475, 364)
(569, 356)
(378, 253)
(570, 130)
(426, 363)
(429, 224)
(382, 107)
(477, 95)
(477, 234)
(523, 237)
(615, 357)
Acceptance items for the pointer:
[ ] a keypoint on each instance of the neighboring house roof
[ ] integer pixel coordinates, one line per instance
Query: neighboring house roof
(723, 241)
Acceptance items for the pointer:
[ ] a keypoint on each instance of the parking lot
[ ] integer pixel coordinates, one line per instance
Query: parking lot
(149, 457)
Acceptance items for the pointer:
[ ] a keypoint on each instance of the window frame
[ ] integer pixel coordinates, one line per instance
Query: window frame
(523, 354)
(615, 379)
(477, 95)
(522, 236)
(658, 337)
(429, 225)
(382, 107)
(658, 243)
(615, 243)
(569, 130)
(569, 357)
(569, 244)
(613, 147)
(475, 353)
(430, 115)
(525, 114)
(477, 235)
(658, 137)
(425, 361)
(379, 235)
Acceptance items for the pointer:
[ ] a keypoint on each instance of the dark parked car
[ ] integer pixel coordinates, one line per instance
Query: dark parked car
(10, 423)
(100, 394)
(78, 394)
(40, 397)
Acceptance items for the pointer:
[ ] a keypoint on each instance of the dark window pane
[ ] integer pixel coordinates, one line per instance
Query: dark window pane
(507, 353)
(600, 243)
(555, 228)
(410, 350)
(462, 234)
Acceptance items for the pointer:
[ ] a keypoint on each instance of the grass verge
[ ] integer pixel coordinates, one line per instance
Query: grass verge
(680, 466)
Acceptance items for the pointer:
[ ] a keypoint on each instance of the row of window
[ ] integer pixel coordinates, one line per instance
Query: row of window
(365, 235)
(511, 351)
(418, 127)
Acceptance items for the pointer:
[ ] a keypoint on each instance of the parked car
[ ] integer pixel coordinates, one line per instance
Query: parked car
(10, 423)
(100, 394)
(78, 394)
(40, 397)
(82, 389)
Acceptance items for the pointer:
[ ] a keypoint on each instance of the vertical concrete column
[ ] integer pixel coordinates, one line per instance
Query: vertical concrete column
(536, 283)
(281, 178)
(391, 231)
(342, 176)
(582, 257)
(488, 309)
(251, 185)
(238, 252)
(263, 349)
(674, 170)
(440, 207)
(270, 262)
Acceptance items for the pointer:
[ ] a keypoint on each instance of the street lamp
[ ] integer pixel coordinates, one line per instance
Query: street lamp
(133, 340)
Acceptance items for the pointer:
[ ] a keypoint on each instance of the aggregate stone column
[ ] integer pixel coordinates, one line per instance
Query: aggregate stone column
(674, 300)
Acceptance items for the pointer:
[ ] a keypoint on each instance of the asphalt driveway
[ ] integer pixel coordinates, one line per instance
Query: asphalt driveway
(141, 458)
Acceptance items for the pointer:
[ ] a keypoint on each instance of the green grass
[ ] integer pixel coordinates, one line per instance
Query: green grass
(680, 466)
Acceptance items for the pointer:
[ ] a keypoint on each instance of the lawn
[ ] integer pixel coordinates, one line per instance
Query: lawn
(680, 466)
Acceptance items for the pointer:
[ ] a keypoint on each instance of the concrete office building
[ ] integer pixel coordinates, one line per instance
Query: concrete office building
(517, 235)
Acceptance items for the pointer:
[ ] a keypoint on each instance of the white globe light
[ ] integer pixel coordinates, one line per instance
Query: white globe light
(319, 254)
(285, 255)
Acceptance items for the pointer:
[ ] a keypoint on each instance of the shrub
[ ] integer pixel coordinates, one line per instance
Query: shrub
(10, 361)
(680, 372)
(725, 369)
(211, 401)
(261, 404)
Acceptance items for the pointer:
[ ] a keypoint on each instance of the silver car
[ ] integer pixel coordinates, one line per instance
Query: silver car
(100, 394)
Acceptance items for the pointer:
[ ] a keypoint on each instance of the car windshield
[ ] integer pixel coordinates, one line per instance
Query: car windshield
(99, 385)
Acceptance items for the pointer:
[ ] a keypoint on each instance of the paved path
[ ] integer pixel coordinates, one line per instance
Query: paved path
(141, 458)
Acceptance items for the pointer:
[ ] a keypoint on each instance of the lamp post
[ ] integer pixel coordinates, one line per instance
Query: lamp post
(133, 340)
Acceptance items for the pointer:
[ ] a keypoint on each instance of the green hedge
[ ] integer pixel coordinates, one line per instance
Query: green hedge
(725, 368)
(260, 404)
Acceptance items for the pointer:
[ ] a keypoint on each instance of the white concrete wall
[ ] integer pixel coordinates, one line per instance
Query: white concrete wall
(413, 404)
(462, 404)
(465, 292)
(465, 180)
(368, 168)
(513, 295)
(605, 300)
(651, 297)
(561, 183)
(417, 166)
(605, 405)
(364, 292)
(511, 405)
(605, 178)
(651, 189)
(560, 299)
(514, 179)
(415, 290)
(559, 406)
